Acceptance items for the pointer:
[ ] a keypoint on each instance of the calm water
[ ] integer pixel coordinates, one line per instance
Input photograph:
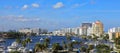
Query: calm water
(35, 39)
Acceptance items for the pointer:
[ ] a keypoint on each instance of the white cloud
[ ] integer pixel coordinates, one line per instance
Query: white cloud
(79, 5)
(25, 7)
(58, 5)
(19, 18)
(75, 5)
(26, 19)
(35, 5)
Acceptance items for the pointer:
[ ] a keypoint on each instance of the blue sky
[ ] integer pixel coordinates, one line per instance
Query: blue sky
(56, 14)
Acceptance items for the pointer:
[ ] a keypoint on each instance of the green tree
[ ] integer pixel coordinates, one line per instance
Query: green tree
(90, 47)
(102, 48)
(64, 45)
(56, 47)
(18, 40)
(70, 46)
(47, 40)
(83, 49)
(39, 47)
(14, 52)
(24, 43)
(117, 41)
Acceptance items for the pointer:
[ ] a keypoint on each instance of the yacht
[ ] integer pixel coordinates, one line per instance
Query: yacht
(2, 40)
(13, 47)
(2, 49)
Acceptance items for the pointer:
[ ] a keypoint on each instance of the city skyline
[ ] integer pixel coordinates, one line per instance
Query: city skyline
(58, 14)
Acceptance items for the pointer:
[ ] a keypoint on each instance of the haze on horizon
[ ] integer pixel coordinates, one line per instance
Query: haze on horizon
(57, 14)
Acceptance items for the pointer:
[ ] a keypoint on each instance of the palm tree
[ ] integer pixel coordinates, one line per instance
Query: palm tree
(83, 49)
(102, 48)
(106, 37)
(69, 38)
(64, 45)
(45, 45)
(117, 41)
(89, 37)
(95, 37)
(56, 47)
(24, 43)
(70, 46)
(14, 52)
(28, 40)
(47, 40)
(90, 47)
(18, 40)
(39, 47)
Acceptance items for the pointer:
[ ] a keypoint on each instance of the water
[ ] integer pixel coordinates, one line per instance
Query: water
(35, 39)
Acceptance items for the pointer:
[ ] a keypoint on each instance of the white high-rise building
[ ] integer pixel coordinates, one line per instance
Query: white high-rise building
(25, 30)
(85, 28)
(37, 31)
(76, 30)
(117, 29)
(89, 31)
(112, 32)
(80, 30)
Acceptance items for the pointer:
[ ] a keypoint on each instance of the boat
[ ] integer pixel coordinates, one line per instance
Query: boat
(23, 49)
(73, 40)
(2, 40)
(13, 47)
(2, 49)
(14, 44)
(41, 39)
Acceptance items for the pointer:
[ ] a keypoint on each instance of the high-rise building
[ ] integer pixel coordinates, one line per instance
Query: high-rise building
(80, 30)
(25, 30)
(97, 28)
(37, 31)
(75, 30)
(89, 31)
(85, 27)
(117, 29)
(114, 33)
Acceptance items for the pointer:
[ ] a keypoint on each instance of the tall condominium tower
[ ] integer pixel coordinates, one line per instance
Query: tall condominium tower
(85, 27)
(97, 28)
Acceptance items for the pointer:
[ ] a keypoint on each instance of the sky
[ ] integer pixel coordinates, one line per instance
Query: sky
(57, 14)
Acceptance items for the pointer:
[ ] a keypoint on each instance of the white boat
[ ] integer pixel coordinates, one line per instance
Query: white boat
(2, 49)
(30, 50)
(73, 40)
(14, 44)
(2, 40)
(13, 47)
(23, 49)
(41, 39)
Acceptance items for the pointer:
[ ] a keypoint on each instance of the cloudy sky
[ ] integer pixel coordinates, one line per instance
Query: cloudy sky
(56, 14)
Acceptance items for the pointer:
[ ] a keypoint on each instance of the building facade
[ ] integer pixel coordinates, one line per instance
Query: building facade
(114, 33)
(97, 28)
(85, 28)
